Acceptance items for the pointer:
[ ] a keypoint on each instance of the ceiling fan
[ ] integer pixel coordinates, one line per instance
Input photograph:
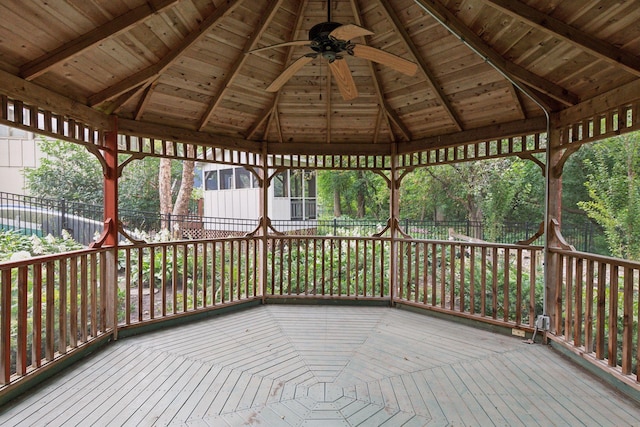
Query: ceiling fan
(332, 40)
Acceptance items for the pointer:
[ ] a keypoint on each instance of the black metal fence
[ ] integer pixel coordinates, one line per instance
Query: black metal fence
(41, 216)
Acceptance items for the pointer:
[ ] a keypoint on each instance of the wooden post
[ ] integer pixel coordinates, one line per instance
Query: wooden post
(264, 209)
(110, 155)
(553, 286)
(394, 213)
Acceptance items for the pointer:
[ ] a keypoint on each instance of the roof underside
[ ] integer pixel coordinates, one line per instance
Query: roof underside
(184, 63)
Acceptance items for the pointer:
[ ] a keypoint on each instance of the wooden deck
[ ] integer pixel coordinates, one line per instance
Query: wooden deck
(323, 366)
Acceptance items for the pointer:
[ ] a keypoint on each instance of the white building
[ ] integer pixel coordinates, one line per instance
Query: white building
(18, 150)
(233, 192)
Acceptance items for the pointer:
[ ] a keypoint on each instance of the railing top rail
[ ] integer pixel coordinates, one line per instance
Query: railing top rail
(599, 258)
(476, 244)
(41, 259)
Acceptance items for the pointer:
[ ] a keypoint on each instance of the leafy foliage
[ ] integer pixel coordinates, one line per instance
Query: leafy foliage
(14, 245)
(355, 194)
(613, 185)
(67, 171)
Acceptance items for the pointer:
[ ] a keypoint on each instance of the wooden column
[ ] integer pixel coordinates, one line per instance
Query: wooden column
(110, 236)
(394, 213)
(264, 209)
(553, 176)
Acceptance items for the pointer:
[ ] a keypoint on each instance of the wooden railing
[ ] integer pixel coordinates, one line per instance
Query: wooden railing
(168, 279)
(328, 267)
(50, 306)
(500, 284)
(597, 312)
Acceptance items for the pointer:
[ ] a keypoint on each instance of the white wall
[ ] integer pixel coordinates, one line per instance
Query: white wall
(16, 153)
(243, 203)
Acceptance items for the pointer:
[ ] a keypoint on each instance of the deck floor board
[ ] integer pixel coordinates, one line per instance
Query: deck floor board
(283, 365)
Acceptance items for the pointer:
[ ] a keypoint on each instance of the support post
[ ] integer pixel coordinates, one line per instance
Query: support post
(111, 221)
(553, 284)
(394, 213)
(264, 209)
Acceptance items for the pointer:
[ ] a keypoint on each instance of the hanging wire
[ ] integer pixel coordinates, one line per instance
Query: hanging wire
(547, 148)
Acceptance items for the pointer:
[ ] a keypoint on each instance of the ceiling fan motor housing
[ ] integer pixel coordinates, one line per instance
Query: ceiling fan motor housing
(325, 44)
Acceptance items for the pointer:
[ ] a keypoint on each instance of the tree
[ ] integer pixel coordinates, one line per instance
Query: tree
(67, 171)
(138, 186)
(165, 188)
(357, 194)
(613, 185)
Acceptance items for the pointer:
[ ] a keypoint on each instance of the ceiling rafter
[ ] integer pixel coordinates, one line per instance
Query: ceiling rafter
(261, 27)
(144, 99)
(557, 28)
(418, 58)
(153, 71)
(514, 71)
(389, 113)
(41, 65)
(271, 109)
(117, 103)
(516, 95)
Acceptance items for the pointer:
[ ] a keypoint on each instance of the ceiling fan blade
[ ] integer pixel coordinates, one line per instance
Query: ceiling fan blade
(344, 79)
(385, 58)
(288, 73)
(349, 31)
(273, 46)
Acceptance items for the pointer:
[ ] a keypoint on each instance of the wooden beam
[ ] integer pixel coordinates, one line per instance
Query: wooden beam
(252, 130)
(144, 99)
(389, 113)
(266, 18)
(16, 88)
(122, 23)
(515, 93)
(272, 106)
(488, 133)
(514, 71)
(419, 59)
(336, 149)
(580, 39)
(187, 136)
(600, 104)
(151, 72)
(116, 104)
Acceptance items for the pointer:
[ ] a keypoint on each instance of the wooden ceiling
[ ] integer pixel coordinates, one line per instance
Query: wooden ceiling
(172, 65)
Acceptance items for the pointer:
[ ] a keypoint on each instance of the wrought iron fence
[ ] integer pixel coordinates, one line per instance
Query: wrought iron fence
(41, 216)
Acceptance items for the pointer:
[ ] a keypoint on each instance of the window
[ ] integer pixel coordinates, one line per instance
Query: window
(211, 180)
(296, 183)
(310, 183)
(226, 179)
(243, 178)
(281, 184)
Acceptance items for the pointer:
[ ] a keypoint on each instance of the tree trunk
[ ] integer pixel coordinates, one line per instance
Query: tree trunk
(181, 207)
(337, 211)
(476, 218)
(360, 195)
(164, 192)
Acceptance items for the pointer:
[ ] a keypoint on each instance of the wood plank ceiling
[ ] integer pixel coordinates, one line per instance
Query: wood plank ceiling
(184, 63)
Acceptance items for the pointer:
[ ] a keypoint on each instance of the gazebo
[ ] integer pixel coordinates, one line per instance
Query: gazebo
(383, 86)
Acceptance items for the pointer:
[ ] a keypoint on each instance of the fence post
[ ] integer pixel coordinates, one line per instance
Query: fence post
(63, 217)
(335, 226)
